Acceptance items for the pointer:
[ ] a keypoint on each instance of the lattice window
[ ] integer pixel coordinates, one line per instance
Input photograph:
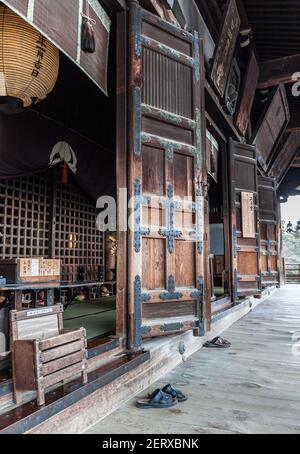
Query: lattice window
(77, 241)
(25, 217)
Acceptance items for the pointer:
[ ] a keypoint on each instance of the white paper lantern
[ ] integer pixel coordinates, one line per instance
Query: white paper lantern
(29, 62)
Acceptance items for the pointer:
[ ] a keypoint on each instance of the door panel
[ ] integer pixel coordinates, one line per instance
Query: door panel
(166, 147)
(285, 157)
(271, 126)
(244, 220)
(269, 242)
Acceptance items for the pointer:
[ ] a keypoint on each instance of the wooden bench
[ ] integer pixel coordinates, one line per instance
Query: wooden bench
(43, 353)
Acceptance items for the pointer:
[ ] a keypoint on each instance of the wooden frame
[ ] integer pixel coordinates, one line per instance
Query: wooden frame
(269, 232)
(246, 273)
(171, 128)
(226, 276)
(122, 175)
(226, 221)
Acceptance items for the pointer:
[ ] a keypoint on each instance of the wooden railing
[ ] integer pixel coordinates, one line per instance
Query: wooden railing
(292, 272)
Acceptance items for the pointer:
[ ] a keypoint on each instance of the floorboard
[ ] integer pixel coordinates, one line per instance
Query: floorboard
(253, 387)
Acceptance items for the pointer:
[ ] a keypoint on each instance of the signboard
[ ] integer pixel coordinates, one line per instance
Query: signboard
(60, 21)
(33, 268)
(225, 49)
(248, 215)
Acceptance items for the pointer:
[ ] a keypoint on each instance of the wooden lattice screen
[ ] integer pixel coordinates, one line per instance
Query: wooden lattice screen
(25, 216)
(77, 241)
(27, 230)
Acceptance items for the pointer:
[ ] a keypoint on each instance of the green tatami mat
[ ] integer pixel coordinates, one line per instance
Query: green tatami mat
(95, 325)
(80, 309)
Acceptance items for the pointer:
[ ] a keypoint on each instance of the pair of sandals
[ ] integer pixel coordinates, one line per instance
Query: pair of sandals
(217, 342)
(162, 398)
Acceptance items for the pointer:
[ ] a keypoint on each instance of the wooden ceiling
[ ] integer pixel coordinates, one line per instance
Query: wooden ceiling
(275, 26)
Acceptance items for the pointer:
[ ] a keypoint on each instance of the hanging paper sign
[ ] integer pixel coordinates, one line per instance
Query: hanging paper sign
(248, 215)
(60, 21)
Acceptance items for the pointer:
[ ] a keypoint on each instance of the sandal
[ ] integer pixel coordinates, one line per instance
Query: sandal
(175, 393)
(158, 399)
(217, 342)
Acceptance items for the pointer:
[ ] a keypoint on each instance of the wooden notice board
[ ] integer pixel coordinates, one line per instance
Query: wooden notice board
(248, 215)
(225, 49)
(35, 268)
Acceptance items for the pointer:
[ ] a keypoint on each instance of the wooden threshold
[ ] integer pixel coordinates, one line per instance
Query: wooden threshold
(100, 346)
(29, 415)
(227, 312)
(222, 304)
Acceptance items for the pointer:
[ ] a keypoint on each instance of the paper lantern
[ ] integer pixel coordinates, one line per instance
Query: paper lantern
(29, 62)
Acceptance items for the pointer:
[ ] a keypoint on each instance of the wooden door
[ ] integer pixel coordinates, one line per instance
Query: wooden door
(166, 148)
(244, 220)
(268, 224)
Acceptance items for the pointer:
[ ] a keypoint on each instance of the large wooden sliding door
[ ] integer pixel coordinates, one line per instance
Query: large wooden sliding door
(268, 221)
(166, 149)
(244, 220)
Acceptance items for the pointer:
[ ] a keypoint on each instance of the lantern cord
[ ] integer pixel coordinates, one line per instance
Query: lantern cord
(87, 15)
(89, 19)
(88, 42)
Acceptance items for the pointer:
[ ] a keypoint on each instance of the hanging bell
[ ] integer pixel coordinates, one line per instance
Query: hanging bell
(88, 43)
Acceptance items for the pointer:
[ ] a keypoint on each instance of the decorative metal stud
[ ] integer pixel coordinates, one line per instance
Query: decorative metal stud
(197, 56)
(171, 233)
(198, 295)
(139, 231)
(171, 294)
(138, 122)
(198, 137)
(138, 33)
(171, 327)
(139, 298)
(198, 234)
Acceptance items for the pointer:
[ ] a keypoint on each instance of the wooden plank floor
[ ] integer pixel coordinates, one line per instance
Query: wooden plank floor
(254, 387)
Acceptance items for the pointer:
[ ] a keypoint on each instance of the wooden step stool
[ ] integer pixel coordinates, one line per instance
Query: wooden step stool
(43, 353)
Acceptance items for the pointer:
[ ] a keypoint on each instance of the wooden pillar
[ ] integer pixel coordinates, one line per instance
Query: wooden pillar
(134, 65)
(121, 168)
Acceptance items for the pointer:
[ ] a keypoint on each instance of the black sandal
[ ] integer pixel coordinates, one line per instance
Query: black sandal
(175, 393)
(217, 342)
(158, 399)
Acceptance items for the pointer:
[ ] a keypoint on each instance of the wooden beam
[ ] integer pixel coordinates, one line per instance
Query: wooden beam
(213, 22)
(280, 70)
(215, 110)
(114, 6)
